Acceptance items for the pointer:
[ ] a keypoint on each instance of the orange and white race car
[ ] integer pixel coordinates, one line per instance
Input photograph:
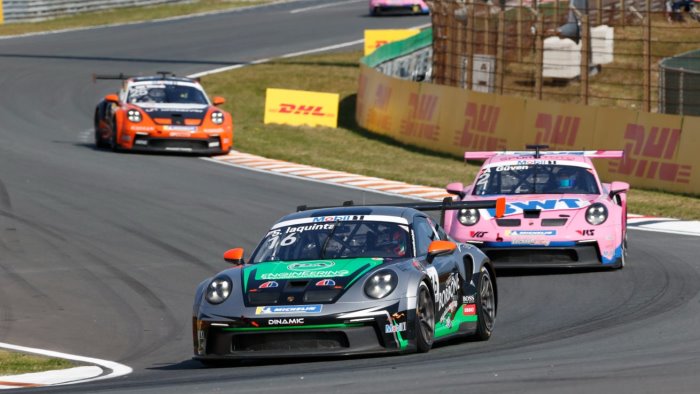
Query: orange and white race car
(162, 113)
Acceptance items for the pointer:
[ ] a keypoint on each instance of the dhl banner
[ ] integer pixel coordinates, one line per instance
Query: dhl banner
(2, 14)
(298, 107)
(561, 126)
(660, 150)
(376, 38)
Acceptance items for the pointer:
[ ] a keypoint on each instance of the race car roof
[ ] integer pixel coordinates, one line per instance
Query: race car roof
(161, 78)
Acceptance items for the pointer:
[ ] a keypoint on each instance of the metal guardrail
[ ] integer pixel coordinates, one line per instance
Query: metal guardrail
(37, 10)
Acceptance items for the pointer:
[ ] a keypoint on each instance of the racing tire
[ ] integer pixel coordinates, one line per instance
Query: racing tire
(113, 139)
(623, 258)
(99, 142)
(485, 306)
(425, 319)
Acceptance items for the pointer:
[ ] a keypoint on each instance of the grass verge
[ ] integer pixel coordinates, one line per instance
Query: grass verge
(13, 363)
(349, 147)
(125, 15)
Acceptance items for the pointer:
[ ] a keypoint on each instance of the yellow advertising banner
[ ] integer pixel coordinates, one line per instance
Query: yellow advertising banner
(2, 14)
(376, 38)
(652, 145)
(560, 126)
(660, 150)
(298, 107)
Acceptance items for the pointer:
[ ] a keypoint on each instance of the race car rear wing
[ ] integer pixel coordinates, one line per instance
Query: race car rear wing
(446, 204)
(123, 77)
(594, 154)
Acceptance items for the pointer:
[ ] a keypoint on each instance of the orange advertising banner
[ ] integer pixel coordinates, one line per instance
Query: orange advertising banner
(561, 126)
(374, 38)
(297, 107)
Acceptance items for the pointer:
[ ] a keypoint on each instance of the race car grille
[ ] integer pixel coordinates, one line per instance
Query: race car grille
(538, 256)
(321, 295)
(508, 222)
(263, 298)
(178, 144)
(289, 341)
(553, 222)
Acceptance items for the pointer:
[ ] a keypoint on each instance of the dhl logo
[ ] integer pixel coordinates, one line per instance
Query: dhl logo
(382, 97)
(480, 120)
(379, 43)
(650, 154)
(556, 130)
(419, 124)
(313, 110)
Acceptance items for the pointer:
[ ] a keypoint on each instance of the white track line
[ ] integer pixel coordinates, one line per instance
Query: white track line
(115, 369)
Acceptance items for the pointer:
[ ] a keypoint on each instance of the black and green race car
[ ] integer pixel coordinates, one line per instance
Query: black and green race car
(347, 280)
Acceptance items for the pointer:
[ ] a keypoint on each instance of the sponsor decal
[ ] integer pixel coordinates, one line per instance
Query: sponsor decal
(542, 205)
(530, 241)
(469, 309)
(536, 162)
(338, 218)
(512, 168)
(313, 266)
(449, 292)
(587, 232)
(531, 233)
(468, 299)
(325, 282)
(141, 128)
(398, 315)
(271, 310)
(448, 316)
(268, 285)
(392, 328)
(285, 322)
(179, 128)
(179, 134)
(477, 234)
(296, 107)
(303, 274)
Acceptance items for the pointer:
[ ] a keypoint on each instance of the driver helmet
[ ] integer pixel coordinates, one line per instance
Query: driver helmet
(566, 178)
(393, 242)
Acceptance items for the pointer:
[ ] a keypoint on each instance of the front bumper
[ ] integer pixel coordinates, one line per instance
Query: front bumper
(208, 146)
(241, 339)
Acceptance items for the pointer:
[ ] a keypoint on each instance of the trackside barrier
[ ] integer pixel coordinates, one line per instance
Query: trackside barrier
(660, 150)
(37, 10)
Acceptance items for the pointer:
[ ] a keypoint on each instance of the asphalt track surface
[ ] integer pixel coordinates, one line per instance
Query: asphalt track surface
(100, 253)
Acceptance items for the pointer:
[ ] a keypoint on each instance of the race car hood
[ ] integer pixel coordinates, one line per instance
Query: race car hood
(298, 282)
(174, 113)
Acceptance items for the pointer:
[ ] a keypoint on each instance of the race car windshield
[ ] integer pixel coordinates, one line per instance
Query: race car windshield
(166, 94)
(334, 240)
(535, 179)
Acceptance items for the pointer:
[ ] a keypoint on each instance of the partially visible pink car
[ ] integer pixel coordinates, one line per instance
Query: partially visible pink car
(379, 7)
(558, 213)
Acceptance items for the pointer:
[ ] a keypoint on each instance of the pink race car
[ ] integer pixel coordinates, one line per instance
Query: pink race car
(378, 7)
(558, 213)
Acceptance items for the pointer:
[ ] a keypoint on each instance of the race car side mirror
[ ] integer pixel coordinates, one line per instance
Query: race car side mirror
(618, 187)
(456, 188)
(234, 256)
(439, 248)
(112, 98)
(218, 100)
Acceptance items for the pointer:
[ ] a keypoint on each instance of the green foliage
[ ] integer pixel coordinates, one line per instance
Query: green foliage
(12, 363)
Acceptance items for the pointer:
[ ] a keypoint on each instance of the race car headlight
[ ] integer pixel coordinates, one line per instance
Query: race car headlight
(218, 290)
(596, 214)
(468, 217)
(217, 117)
(381, 284)
(134, 116)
